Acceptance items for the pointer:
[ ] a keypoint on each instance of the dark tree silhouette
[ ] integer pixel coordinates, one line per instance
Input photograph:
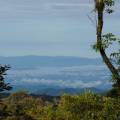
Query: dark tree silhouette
(4, 86)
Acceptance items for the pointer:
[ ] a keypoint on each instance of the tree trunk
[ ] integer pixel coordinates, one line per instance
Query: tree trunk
(107, 61)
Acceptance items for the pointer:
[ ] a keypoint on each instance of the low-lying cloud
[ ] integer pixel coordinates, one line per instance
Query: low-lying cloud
(60, 83)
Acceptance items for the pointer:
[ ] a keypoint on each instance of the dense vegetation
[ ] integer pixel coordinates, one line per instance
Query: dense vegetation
(4, 86)
(87, 106)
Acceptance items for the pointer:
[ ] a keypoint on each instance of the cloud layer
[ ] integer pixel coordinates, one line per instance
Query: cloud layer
(67, 77)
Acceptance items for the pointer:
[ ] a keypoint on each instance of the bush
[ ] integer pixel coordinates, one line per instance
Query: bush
(87, 106)
(20, 105)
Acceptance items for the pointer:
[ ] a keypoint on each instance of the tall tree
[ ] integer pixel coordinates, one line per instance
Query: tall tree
(4, 86)
(104, 41)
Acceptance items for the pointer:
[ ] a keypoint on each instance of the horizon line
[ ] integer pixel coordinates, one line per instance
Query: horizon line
(51, 56)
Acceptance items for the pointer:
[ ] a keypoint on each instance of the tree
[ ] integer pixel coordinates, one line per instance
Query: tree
(4, 86)
(104, 42)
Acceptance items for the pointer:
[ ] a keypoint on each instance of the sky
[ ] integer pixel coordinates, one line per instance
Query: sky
(50, 27)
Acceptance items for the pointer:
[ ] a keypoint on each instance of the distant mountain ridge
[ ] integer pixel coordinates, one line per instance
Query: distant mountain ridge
(48, 61)
(58, 91)
(61, 91)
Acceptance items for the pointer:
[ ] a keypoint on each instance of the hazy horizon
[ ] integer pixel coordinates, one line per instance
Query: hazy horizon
(97, 57)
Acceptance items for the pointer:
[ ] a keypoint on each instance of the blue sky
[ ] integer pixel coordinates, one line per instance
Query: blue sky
(50, 27)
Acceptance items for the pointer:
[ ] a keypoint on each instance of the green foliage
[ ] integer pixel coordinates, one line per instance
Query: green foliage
(97, 46)
(87, 106)
(109, 2)
(46, 113)
(115, 57)
(108, 5)
(107, 40)
(19, 105)
(23, 103)
(4, 86)
(110, 40)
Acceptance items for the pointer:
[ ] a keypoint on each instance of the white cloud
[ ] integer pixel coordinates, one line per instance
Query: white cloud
(69, 77)
(60, 83)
